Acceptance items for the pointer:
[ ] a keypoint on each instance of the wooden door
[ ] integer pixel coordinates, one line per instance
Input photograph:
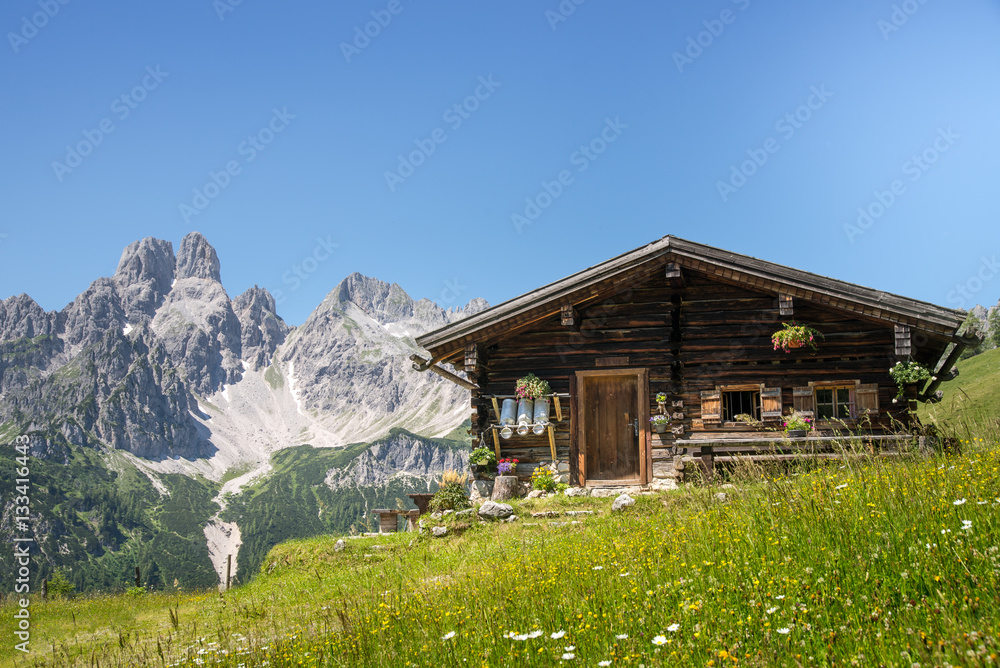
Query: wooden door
(613, 426)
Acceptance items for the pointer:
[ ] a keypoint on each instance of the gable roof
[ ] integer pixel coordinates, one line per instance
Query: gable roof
(649, 260)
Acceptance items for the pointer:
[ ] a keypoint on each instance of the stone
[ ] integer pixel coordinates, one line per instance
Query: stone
(721, 497)
(604, 493)
(495, 511)
(439, 531)
(467, 511)
(546, 513)
(481, 489)
(563, 467)
(512, 518)
(576, 491)
(577, 513)
(563, 478)
(536, 494)
(436, 516)
(449, 511)
(339, 546)
(622, 502)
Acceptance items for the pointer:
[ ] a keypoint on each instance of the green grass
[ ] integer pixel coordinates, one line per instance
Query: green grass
(856, 563)
(972, 398)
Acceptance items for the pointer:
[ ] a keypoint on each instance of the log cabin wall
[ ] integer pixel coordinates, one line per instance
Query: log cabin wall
(693, 335)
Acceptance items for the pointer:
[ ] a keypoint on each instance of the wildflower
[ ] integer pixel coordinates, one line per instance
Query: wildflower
(660, 640)
(621, 636)
(534, 634)
(448, 636)
(626, 573)
(784, 631)
(958, 502)
(780, 596)
(966, 525)
(558, 634)
(570, 648)
(568, 656)
(598, 568)
(841, 486)
(673, 627)
(603, 663)
(771, 611)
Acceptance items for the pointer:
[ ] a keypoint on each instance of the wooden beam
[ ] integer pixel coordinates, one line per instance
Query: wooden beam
(569, 316)
(675, 275)
(496, 408)
(552, 441)
(496, 443)
(558, 408)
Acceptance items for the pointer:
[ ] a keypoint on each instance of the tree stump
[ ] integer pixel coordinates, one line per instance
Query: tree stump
(505, 487)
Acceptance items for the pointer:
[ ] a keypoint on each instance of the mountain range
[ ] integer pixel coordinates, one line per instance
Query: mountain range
(162, 391)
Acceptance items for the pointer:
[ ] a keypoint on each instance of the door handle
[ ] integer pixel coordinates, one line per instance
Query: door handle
(632, 423)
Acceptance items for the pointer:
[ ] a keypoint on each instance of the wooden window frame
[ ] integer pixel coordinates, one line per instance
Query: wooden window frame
(761, 389)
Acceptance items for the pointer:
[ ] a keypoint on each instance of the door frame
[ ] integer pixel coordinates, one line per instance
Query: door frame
(579, 428)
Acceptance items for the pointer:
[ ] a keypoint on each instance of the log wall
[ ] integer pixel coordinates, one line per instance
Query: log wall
(691, 335)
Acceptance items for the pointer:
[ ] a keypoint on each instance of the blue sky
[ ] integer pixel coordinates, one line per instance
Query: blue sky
(484, 149)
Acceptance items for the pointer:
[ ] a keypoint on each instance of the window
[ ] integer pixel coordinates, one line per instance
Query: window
(834, 402)
(740, 403)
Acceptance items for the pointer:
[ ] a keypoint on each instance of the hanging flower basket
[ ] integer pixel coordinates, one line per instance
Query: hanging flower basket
(908, 374)
(531, 387)
(795, 336)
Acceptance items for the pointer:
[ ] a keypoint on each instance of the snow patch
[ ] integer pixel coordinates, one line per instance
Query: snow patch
(225, 392)
(126, 329)
(396, 330)
(292, 389)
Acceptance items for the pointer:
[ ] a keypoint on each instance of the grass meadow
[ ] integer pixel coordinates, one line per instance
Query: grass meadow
(861, 562)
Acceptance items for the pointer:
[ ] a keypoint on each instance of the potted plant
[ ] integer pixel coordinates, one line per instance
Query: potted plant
(660, 423)
(532, 387)
(482, 459)
(661, 397)
(792, 336)
(507, 466)
(908, 373)
(797, 425)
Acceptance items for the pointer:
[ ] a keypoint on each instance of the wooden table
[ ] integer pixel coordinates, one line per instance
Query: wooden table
(421, 501)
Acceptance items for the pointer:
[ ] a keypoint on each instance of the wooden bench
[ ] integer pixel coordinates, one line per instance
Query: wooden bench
(387, 522)
(712, 450)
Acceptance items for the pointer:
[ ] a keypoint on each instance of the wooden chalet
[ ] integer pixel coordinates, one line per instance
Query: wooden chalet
(693, 322)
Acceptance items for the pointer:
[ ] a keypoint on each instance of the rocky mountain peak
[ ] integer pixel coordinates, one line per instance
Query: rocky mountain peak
(262, 330)
(144, 275)
(197, 259)
(385, 302)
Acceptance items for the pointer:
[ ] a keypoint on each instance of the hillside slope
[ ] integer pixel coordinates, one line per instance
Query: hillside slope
(974, 396)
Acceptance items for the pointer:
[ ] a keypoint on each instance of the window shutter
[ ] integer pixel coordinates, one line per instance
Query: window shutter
(770, 399)
(866, 399)
(802, 400)
(711, 406)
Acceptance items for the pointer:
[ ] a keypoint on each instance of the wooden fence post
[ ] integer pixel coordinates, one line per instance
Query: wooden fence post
(138, 578)
(45, 589)
(229, 567)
